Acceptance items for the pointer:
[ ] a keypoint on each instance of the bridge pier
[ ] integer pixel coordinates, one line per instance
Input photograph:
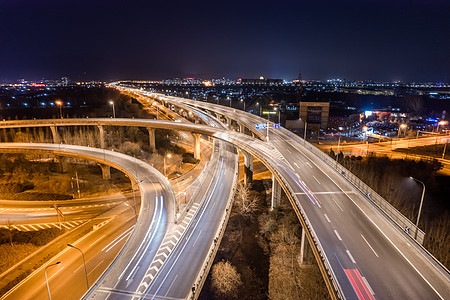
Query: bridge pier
(228, 122)
(106, 171)
(151, 139)
(302, 246)
(62, 162)
(55, 134)
(248, 167)
(102, 136)
(276, 193)
(196, 145)
(241, 128)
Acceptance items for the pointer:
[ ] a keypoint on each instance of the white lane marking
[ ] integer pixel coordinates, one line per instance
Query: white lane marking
(40, 226)
(309, 165)
(326, 193)
(176, 276)
(126, 232)
(368, 285)
(351, 257)
(316, 179)
(337, 204)
(326, 217)
(95, 267)
(197, 237)
(33, 227)
(296, 165)
(53, 275)
(212, 206)
(62, 224)
(381, 231)
(97, 240)
(337, 234)
(369, 245)
(23, 226)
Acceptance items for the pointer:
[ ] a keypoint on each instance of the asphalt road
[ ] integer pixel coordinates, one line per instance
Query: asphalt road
(181, 270)
(67, 280)
(157, 200)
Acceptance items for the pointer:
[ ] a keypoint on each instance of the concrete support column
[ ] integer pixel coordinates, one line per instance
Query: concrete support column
(248, 167)
(106, 171)
(102, 136)
(151, 139)
(196, 145)
(241, 128)
(276, 192)
(302, 246)
(228, 122)
(62, 161)
(55, 134)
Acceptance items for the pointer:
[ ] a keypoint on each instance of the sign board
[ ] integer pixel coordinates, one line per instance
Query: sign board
(276, 125)
(261, 126)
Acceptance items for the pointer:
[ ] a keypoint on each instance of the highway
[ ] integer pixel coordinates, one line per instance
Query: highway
(35, 215)
(157, 200)
(191, 240)
(369, 257)
(346, 259)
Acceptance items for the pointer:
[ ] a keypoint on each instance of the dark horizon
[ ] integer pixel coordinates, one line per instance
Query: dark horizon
(108, 40)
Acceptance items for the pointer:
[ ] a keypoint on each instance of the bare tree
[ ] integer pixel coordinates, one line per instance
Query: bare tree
(225, 279)
(245, 203)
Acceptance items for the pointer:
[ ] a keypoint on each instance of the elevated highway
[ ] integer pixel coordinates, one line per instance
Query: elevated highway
(157, 200)
(360, 252)
(363, 253)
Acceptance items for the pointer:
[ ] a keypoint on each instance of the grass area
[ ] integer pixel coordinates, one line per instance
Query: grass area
(16, 245)
(10, 255)
(31, 177)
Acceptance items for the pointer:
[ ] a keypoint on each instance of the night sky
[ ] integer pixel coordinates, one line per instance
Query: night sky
(383, 40)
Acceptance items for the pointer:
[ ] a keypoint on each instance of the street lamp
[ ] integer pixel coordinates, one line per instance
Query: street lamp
(242, 100)
(168, 156)
(84, 262)
(46, 279)
(114, 109)
(402, 126)
(279, 114)
(157, 110)
(420, 206)
(59, 103)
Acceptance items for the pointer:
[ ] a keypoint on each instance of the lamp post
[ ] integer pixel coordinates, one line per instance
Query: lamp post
(242, 100)
(157, 110)
(168, 156)
(402, 126)
(114, 108)
(46, 279)
(59, 103)
(279, 114)
(84, 262)
(420, 206)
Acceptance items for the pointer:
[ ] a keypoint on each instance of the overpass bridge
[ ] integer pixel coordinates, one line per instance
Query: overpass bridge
(360, 252)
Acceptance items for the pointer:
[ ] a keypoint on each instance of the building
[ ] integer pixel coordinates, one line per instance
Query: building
(315, 113)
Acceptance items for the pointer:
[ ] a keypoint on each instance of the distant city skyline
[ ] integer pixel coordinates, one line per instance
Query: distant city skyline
(155, 40)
